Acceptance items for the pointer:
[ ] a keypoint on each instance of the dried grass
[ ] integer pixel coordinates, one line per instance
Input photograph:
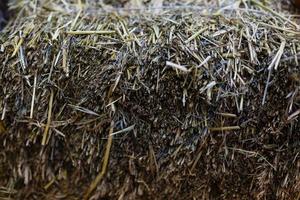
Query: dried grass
(124, 100)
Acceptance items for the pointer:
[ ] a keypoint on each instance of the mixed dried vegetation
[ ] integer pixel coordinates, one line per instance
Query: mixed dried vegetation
(125, 100)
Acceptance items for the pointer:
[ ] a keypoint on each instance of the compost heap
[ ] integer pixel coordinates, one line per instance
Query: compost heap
(172, 103)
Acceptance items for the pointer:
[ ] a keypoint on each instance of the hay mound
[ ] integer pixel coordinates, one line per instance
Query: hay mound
(168, 103)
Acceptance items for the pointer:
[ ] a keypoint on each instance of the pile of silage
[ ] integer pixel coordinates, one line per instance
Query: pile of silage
(151, 104)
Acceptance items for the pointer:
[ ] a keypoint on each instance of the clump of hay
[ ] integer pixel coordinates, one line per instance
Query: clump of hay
(174, 102)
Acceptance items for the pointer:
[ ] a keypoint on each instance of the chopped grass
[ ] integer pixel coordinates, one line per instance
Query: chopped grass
(149, 100)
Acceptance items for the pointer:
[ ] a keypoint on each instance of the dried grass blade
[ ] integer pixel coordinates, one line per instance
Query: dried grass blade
(104, 165)
(176, 66)
(33, 95)
(45, 136)
(89, 32)
(196, 34)
(225, 128)
(274, 64)
(130, 128)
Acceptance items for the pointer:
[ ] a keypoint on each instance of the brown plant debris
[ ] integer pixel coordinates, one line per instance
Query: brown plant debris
(125, 100)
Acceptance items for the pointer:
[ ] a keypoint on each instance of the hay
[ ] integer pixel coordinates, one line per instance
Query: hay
(127, 101)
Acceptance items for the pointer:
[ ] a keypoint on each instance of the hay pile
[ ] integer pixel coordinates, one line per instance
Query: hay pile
(171, 103)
